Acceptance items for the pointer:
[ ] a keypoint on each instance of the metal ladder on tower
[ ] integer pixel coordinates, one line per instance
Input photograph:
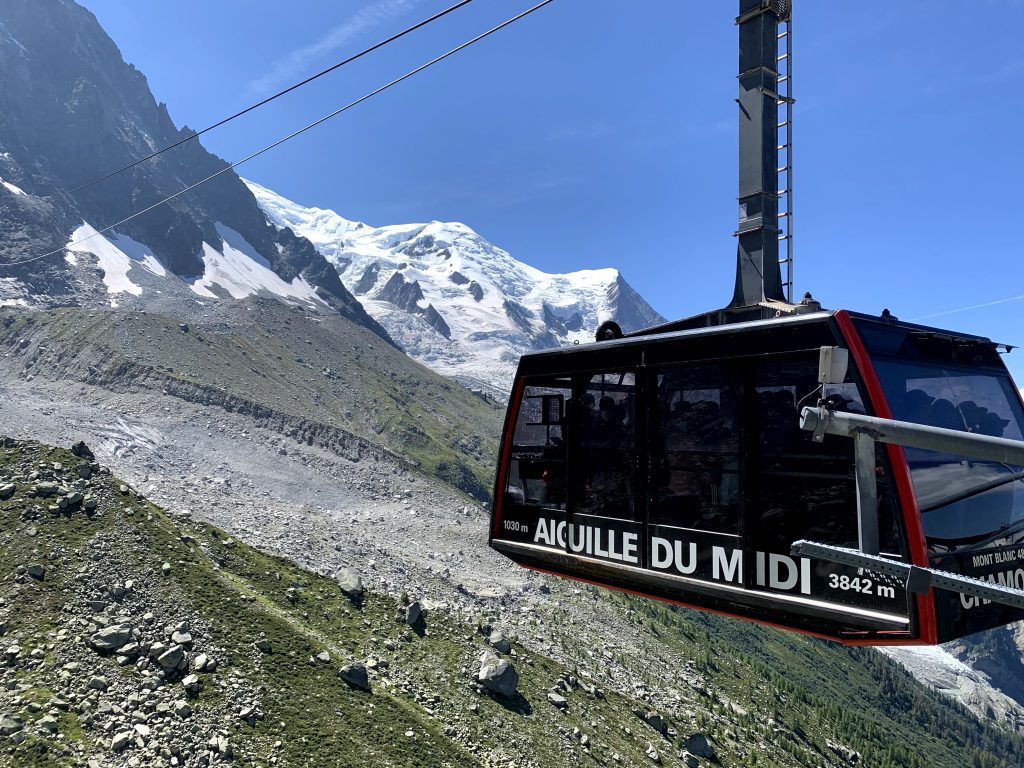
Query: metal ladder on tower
(785, 150)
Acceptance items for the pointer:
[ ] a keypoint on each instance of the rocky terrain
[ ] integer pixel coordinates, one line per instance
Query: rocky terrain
(311, 377)
(134, 636)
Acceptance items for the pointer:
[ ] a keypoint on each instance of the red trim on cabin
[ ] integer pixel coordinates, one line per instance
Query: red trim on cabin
(901, 473)
(503, 459)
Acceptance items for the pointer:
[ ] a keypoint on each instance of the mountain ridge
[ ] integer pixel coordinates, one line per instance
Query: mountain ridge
(85, 113)
(455, 301)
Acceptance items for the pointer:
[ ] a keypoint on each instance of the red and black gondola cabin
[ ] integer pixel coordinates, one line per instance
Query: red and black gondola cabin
(671, 464)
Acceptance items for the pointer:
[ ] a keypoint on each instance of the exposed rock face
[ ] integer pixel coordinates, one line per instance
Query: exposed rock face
(75, 111)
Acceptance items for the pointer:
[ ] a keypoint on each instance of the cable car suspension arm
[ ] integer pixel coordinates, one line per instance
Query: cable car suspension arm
(866, 431)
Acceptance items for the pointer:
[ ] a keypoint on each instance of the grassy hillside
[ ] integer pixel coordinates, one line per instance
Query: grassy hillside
(88, 553)
(317, 377)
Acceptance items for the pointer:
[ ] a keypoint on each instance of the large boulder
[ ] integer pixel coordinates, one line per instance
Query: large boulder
(498, 675)
(111, 638)
(351, 583)
(698, 744)
(355, 675)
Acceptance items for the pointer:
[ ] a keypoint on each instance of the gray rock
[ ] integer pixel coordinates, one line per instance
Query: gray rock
(690, 761)
(498, 642)
(7, 490)
(120, 741)
(172, 657)
(97, 683)
(413, 613)
(36, 571)
(191, 683)
(264, 645)
(10, 724)
(199, 662)
(181, 638)
(653, 719)
(355, 675)
(351, 583)
(166, 569)
(182, 709)
(323, 656)
(653, 754)
(46, 489)
(111, 638)
(558, 701)
(48, 723)
(699, 745)
(498, 675)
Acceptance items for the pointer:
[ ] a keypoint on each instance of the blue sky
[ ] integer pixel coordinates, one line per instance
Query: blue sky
(603, 133)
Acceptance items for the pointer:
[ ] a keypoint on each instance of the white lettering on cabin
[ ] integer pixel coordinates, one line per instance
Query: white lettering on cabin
(542, 532)
(577, 538)
(629, 544)
(723, 569)
(597, 543)
(662, 551)
(1013, 579)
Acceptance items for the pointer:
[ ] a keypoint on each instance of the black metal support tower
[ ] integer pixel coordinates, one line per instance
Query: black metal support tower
(758, 277)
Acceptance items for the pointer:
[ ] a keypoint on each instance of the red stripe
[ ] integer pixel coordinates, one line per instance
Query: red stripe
(506, 450)
(901, 472)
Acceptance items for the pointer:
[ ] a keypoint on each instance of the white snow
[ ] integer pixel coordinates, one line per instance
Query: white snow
(486, 341)
(241, 271)
(12, 188)
(13, 303)
(116, 255)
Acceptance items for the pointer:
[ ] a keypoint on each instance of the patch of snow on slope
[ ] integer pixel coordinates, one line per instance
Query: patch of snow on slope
(321, 226)
(12, 188)
(241, 271)
(116, 256)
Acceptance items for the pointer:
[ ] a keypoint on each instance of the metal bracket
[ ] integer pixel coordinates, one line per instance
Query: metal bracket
(778, 97)
(780, 9)
(917, 579)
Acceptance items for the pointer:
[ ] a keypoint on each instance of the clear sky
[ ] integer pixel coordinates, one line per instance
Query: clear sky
(602, 133)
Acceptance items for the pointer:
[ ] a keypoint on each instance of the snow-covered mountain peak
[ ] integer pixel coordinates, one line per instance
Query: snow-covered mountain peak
(455, 301)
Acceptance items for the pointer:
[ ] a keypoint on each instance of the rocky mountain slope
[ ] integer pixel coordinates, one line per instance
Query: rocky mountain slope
(131, 636)
(454, 301)
(73, 112)
(311, 376)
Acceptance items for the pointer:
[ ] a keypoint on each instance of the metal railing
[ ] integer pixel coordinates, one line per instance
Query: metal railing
(865, 432)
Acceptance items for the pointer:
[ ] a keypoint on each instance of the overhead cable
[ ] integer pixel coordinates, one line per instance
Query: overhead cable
(290, 136)
(277, 95)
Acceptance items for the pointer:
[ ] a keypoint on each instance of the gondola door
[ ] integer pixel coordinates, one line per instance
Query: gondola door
(695, 496)
(606, 481)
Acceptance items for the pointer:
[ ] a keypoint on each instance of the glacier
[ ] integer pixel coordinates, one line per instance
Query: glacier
(454, 301)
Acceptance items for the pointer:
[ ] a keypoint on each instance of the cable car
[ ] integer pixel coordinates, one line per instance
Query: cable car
(671, 462)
